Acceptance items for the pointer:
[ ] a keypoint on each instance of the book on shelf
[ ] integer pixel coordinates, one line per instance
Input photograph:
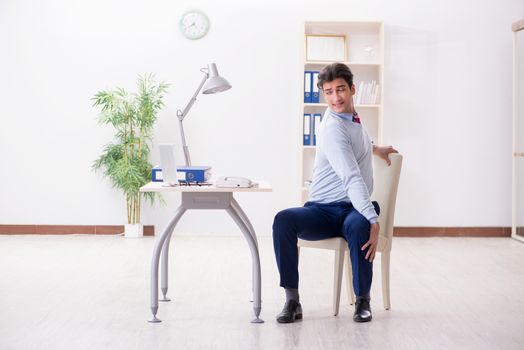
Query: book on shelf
(307, 86)
(315, 96)
(368, 93)
(311, 91)
(307, 130)
(316, 124)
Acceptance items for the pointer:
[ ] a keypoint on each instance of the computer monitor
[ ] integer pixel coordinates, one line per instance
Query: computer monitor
(168, 164)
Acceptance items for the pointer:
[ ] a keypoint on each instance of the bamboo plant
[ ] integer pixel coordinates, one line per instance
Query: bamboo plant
(126, 160)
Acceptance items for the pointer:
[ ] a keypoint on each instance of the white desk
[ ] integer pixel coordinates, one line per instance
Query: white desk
(204, 197)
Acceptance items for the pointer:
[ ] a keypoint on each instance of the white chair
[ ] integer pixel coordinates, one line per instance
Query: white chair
(386, 180)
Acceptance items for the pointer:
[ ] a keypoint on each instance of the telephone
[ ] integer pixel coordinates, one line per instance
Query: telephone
(233, 181)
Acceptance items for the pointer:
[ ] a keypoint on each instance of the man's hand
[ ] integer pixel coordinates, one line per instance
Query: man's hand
(372, 243)
(383, 152)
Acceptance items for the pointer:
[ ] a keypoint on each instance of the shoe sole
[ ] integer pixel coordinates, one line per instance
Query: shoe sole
(297, 317)
(362, 320)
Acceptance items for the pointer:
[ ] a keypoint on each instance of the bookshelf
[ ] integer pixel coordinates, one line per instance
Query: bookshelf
(364, 54)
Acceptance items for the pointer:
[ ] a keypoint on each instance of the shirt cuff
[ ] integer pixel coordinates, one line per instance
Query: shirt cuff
(370, 214)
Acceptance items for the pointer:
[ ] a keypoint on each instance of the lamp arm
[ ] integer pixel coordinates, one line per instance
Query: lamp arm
(182, 114)
(184, 144)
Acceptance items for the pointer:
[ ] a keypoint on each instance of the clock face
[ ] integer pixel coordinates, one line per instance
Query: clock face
(194, 24)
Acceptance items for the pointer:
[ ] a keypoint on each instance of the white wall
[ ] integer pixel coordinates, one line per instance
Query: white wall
(447, 103)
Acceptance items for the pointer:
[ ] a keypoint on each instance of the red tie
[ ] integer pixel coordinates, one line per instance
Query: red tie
(356, 119)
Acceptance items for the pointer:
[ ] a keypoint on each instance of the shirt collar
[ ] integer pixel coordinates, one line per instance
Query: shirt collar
(347, 116)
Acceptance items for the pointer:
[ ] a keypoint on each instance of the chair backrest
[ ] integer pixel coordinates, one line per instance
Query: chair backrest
(385, 187)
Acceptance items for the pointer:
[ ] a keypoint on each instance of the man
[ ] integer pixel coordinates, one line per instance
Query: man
(339, 203)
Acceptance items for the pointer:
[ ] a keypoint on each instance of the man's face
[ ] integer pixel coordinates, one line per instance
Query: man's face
(339, 95)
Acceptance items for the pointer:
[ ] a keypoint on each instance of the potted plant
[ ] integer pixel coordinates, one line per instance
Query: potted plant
(126, 160)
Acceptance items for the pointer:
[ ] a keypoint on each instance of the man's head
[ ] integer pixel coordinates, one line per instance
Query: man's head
(336, 82)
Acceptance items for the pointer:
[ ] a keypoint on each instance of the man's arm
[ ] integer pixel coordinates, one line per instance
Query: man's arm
(383, 152)
(339, 153)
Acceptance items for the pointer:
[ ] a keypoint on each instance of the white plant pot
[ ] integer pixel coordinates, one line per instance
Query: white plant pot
(134, 230)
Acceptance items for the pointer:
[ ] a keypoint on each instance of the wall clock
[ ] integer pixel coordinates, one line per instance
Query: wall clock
(194, 24)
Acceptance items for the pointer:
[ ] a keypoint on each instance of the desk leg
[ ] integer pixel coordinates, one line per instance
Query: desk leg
(164, 268)
(246, 221)
(251, 240)
(156, 259)
(244, 218)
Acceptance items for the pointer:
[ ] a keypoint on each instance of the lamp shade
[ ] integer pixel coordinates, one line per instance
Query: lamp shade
(215, 83)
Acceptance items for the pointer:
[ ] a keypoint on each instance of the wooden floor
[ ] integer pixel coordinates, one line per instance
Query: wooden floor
(92, 292)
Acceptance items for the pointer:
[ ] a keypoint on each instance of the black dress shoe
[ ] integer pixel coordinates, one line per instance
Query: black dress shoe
(292, 311)
(362, 310)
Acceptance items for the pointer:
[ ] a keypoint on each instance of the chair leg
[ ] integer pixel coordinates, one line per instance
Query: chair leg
(349, 279)
(385, 280)
(339, 268)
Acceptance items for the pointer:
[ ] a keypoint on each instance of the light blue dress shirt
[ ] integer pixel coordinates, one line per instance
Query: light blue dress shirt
(343, 169)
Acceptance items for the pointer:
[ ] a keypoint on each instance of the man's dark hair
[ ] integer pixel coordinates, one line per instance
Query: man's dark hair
(335, 71)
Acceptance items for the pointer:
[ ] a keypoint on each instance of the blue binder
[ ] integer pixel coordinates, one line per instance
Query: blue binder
(184, 174)
(315, 96)
(308, 77)
(316, 124)
(307, 129)
(156, 174)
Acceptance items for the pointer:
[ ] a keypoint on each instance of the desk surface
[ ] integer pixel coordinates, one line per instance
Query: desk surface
(263, 186)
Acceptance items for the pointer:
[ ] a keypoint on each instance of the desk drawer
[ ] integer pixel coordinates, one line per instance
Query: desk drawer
(206, 200)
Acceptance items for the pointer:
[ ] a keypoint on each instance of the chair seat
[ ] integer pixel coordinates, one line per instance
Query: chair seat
(338, 243)
(328, 243)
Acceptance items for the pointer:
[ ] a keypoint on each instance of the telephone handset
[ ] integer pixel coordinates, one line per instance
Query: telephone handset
(233, 181)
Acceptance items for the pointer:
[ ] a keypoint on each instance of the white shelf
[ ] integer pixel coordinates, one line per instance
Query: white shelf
(368, 106)
(325, 105)
(350, 64)
(337, 27)
(315, 104)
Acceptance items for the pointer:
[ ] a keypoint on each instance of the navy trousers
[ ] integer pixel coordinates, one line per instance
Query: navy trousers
(315, 221)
